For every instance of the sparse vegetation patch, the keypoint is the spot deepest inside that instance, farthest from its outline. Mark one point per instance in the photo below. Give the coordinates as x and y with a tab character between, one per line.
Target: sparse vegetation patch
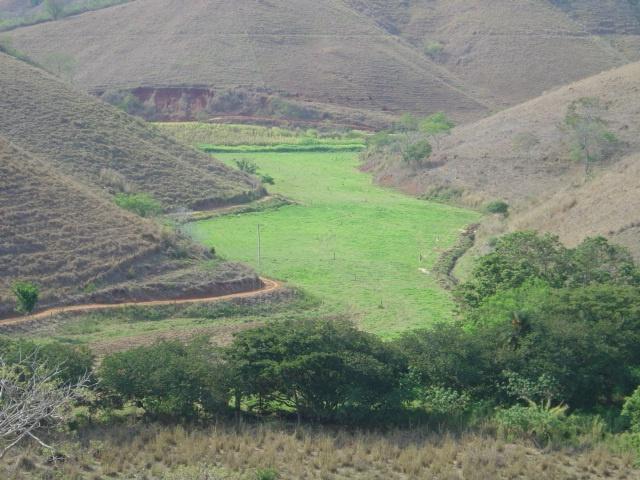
141	204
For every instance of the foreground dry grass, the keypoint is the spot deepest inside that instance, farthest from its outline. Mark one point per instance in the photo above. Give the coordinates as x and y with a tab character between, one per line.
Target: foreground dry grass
224	452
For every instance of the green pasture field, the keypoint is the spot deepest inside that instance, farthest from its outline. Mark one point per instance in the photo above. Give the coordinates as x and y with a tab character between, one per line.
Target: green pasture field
365	251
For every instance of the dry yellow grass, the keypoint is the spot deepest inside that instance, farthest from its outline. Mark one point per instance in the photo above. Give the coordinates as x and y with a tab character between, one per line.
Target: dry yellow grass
227	453
59	227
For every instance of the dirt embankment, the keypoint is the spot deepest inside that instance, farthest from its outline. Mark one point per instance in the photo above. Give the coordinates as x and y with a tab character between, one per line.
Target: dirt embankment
238	105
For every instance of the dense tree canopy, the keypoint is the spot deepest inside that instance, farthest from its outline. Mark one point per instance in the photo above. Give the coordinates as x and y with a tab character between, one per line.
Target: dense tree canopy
320	369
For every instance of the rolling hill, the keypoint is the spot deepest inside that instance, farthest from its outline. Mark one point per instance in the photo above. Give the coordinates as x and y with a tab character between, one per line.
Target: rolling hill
59	225
509	51
546	186
609	205
363	54
79	247
84	137
319	50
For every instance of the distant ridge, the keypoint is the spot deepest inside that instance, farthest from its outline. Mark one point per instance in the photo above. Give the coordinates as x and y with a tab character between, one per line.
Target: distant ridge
316	50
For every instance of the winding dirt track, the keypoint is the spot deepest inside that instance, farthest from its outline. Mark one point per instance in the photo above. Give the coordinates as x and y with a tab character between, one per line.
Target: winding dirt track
269	286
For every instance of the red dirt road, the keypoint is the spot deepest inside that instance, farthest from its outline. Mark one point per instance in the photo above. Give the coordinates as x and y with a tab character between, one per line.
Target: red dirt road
269	286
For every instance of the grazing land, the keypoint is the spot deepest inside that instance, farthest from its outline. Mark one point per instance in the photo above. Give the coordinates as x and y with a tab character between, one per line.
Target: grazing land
362	249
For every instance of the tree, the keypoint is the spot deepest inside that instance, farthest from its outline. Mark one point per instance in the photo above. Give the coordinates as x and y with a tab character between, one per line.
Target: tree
72	362
320	369
596	260
584	338
448	356
415	152
54	8
631	410
433	49
27	295
524	257
247	166
169	379
33	400
436	126
407	123
591	141
516	259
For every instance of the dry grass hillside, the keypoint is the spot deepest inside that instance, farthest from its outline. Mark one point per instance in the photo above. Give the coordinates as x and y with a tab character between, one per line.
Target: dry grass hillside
364	54
84	137
311	50
37	10
79	247
608	205
486	161
509	51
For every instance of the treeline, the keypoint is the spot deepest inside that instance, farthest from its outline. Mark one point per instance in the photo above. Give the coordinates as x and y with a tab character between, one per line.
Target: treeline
546	346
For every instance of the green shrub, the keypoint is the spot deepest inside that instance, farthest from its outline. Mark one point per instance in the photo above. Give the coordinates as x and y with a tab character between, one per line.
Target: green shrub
443	194
498	207
631	410
538	424
139	203
169	380
266	474
267	179
433	49
246	166
444	402
27	295
417	152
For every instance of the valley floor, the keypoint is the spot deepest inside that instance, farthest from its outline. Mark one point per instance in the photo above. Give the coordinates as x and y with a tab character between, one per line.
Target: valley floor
364	250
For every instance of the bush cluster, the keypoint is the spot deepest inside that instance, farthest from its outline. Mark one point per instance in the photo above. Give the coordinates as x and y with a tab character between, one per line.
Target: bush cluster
544	332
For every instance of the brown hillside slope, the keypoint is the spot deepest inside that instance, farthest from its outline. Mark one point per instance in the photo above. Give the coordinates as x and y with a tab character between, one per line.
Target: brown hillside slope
546	187
514	50
482	157
609	205
79	247
82	136
314	49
